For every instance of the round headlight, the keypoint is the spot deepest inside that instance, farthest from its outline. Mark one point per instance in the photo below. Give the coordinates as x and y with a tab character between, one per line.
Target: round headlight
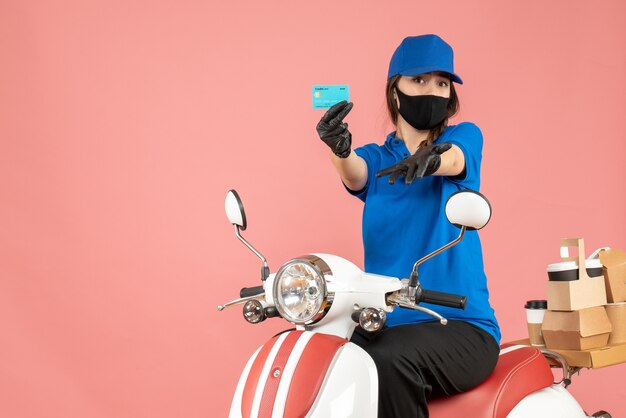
300	290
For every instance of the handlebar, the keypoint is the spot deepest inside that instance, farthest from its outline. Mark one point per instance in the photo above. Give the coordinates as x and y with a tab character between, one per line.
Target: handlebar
247	292
444	299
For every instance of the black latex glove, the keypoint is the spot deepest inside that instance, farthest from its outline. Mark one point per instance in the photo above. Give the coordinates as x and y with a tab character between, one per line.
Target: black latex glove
423	163
334	132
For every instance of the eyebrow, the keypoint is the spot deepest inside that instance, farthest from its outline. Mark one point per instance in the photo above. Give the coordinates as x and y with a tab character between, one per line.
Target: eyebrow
442	74
436	74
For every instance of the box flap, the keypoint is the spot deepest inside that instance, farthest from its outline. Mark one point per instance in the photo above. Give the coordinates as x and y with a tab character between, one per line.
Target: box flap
594	321
613	257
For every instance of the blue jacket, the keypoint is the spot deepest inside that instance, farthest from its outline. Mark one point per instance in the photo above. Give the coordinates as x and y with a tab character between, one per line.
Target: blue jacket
401	224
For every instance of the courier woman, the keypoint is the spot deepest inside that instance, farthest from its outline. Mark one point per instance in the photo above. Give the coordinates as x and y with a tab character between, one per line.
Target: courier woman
404	182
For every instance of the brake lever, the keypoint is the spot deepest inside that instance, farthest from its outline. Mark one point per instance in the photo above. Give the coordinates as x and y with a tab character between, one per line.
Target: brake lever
398	300
238	301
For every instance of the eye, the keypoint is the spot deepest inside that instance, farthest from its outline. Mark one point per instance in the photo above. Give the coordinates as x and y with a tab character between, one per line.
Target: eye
418	80
444	83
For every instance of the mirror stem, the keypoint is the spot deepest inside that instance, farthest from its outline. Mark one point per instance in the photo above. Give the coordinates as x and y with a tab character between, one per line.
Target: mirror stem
265	270
414	280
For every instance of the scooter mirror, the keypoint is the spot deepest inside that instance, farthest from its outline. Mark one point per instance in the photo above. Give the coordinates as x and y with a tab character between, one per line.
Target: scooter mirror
468	208
234	210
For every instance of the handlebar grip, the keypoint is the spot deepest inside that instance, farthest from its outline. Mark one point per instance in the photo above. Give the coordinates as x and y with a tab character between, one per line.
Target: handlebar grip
444	299
250	291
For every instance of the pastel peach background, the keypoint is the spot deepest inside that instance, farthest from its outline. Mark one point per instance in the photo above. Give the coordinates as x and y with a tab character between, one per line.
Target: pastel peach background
124	123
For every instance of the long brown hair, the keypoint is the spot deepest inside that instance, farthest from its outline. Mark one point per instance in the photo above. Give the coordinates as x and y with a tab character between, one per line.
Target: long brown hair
453	108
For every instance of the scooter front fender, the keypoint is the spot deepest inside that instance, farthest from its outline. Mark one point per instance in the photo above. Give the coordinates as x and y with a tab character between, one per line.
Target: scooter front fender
551	402
303	373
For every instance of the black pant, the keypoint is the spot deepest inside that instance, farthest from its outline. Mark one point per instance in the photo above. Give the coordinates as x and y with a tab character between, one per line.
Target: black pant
416	362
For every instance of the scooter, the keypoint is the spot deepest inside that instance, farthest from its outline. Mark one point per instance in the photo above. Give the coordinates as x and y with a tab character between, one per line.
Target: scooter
314	370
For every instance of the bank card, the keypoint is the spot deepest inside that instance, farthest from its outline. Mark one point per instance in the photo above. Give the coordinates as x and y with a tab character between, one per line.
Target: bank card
325	96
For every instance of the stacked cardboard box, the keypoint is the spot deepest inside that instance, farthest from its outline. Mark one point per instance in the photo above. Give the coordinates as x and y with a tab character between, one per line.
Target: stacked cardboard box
576	318
614	270
614	262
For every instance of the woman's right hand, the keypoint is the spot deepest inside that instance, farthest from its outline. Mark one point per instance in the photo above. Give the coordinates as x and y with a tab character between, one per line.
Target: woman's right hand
334	132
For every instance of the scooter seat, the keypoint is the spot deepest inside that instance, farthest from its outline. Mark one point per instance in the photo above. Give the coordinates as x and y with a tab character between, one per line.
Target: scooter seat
520	371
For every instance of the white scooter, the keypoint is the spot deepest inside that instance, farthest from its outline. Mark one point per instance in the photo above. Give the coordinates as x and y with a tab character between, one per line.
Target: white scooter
314	371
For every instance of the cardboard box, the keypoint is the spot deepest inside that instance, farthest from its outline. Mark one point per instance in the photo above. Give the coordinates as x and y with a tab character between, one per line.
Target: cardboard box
614	262
617	315
583	293
577	330
594	358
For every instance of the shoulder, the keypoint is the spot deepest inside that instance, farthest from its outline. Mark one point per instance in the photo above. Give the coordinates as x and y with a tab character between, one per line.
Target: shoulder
465	135
465	129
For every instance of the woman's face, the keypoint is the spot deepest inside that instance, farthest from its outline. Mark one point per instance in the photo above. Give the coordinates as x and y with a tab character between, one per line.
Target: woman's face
436	84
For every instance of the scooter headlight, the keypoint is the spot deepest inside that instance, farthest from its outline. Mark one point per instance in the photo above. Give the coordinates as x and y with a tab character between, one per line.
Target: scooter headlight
300	290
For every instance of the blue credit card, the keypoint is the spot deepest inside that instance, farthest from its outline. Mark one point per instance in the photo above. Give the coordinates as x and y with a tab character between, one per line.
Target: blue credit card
328	95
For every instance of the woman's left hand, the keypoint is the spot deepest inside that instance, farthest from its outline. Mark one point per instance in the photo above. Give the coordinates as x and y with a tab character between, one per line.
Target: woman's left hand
424	162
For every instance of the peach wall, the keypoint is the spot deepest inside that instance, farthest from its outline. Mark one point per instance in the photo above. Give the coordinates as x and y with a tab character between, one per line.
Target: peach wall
123	123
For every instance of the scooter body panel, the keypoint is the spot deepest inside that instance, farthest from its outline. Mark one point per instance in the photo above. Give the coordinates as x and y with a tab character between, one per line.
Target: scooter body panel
235	406
551	402
350	388
307	374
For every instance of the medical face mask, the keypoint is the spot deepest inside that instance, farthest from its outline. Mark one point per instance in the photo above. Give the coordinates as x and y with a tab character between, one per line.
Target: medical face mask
423	112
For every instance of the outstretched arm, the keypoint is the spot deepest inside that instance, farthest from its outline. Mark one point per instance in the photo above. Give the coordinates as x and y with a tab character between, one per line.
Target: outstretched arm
452	162
352	170
334	132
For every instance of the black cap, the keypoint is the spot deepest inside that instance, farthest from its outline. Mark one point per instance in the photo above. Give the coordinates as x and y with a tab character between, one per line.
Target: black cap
536	304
